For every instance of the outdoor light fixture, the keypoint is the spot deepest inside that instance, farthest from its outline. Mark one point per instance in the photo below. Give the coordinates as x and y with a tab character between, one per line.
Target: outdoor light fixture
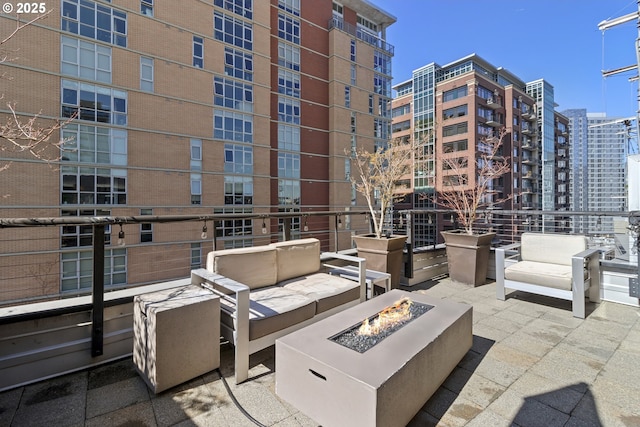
339	221
121	241
305	227
204	231
264	227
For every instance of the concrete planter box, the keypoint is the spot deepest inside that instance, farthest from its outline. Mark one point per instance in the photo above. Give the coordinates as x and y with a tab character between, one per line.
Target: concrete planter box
176	335
468	256
384	254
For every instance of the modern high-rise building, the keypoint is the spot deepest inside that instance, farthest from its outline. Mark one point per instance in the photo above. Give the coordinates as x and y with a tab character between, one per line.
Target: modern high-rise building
451	108
599	146
190	107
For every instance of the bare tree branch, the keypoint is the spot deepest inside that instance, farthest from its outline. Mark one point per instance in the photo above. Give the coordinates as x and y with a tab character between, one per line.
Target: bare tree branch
19	134
378	176
464	196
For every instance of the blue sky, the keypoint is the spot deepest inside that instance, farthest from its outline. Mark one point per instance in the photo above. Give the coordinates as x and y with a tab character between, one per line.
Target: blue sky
556	40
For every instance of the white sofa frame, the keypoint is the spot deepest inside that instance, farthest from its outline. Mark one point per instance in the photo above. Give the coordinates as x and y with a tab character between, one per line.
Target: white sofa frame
588	257
238	294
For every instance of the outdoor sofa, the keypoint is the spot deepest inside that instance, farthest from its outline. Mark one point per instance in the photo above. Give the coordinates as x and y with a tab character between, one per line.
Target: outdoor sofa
269	291
555	265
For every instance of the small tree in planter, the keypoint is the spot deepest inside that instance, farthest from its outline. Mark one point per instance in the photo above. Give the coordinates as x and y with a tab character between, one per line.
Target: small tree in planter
378	177
464	198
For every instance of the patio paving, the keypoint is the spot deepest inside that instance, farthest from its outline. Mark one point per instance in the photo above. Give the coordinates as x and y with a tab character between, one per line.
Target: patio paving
531	364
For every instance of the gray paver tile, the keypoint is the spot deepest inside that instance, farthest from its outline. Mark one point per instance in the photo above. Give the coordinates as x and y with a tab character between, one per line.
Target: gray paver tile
536	414
9	401
563	397
139	414
122	394
489	418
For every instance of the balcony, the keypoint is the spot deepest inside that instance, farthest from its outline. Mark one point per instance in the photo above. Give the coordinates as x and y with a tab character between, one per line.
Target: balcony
494	103
535	358
493	122
528	129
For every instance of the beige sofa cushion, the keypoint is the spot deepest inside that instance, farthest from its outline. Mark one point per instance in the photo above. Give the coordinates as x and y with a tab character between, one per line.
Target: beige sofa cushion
297	258
254	267
543	274
327	290
551	248
271	309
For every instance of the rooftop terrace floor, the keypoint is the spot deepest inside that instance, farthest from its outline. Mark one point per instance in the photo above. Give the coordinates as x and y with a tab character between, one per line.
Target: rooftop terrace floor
531	364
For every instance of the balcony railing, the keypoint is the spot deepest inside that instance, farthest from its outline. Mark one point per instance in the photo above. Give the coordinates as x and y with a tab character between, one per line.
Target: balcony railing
57	332
361	34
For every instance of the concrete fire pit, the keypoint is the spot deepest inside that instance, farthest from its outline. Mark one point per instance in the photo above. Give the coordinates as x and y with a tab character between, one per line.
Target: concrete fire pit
387	384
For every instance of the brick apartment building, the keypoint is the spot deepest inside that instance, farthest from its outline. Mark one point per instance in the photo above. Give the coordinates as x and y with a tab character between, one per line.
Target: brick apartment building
190	107
452	108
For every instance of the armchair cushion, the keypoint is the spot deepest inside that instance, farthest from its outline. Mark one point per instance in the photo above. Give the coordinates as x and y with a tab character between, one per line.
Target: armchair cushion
541	273
551	248
328	291
296	258
254	267
270	310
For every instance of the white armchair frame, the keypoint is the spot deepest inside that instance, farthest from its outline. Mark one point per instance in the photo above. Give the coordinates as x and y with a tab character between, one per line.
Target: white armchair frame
589	258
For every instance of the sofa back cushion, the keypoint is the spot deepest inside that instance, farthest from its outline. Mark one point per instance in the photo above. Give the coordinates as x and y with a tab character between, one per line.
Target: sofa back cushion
551	248
254	267
297	258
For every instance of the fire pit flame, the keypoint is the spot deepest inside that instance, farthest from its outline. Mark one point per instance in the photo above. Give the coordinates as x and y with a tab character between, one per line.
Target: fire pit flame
399	311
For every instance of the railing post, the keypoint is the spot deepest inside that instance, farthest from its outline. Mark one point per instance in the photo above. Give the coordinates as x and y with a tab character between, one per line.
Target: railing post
286	229
408	266
97	311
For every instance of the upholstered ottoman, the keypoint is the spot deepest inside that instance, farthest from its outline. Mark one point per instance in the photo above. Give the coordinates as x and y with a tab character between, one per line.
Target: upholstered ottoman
176	335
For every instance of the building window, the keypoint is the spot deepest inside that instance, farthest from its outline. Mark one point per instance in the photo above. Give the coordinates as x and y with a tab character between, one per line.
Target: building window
459	111
84	59
239	7
77	269
93	144
94	103
73	236
232	126
353	50
95	21
198	52
196	255
400	126
288	137
370	103
196	154
354	74
288	56
347	96
382	62
289	28
233	31
146	7
238	159
289	83
381	129
288	192
450	147
337	9
196	189
92	186
456	93
382	85
289	165
456	129
238	64
235	227
238	190
485	130
291	6
233	94
288	110
146	228
146	74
